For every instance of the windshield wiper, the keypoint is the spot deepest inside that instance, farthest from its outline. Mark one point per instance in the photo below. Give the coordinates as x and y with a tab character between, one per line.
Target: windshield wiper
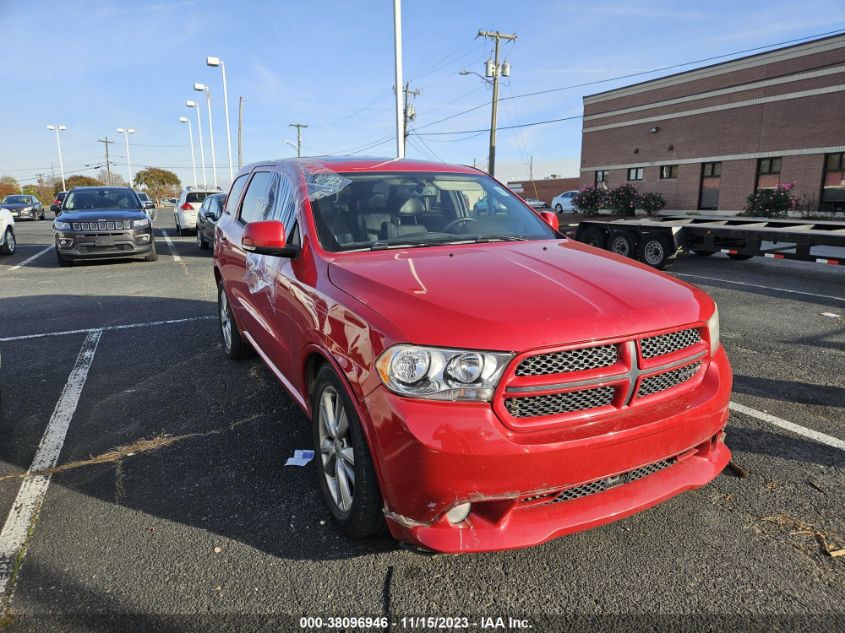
380	245
498	238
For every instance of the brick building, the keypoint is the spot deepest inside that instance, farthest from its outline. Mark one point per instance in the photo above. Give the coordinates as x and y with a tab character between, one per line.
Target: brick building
708	137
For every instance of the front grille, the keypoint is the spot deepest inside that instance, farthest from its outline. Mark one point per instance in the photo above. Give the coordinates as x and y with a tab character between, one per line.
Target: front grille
668	343
102	226
570	360
556	403
602	485
666	380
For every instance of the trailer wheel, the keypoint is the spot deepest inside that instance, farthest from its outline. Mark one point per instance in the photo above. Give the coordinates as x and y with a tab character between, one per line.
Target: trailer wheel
594	236
622	243
701	253
655	250
739	257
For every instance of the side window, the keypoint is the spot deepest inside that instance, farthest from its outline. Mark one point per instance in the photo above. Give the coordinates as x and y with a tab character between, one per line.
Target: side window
260	197
285	209
235	194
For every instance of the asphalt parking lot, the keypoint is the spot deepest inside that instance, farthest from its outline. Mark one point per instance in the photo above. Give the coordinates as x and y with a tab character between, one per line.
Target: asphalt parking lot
170	509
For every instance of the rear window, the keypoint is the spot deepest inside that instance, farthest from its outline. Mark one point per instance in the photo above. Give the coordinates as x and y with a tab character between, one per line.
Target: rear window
197	196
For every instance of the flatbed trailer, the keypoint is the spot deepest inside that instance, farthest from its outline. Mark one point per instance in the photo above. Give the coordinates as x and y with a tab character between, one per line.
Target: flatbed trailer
658	240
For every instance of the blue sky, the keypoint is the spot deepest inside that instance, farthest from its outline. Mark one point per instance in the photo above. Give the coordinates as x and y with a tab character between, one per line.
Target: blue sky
96	66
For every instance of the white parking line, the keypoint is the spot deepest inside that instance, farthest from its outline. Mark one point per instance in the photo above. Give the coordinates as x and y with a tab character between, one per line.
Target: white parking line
835	442
28	501
29	259
743	283
129	326
171	246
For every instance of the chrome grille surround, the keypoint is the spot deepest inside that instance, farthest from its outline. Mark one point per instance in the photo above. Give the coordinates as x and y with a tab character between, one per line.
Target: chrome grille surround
557	403
668	343
570	360
102	226
667	380
607	483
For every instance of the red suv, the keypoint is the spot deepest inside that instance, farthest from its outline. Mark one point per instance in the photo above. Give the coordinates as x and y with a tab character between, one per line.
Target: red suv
474	379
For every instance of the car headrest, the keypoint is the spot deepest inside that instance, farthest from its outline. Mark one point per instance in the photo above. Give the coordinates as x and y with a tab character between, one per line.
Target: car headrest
376	203
412	206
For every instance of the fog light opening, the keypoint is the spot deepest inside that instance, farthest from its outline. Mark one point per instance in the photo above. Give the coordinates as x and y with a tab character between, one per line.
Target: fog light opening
458	513
144	238
65	242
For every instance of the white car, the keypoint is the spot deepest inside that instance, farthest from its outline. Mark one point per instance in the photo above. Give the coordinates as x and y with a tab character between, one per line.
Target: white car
185	210
8	245
563	202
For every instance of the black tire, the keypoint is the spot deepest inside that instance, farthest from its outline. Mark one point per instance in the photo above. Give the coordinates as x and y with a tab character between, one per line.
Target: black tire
559	208
622	243
594	236
656	251
64	263
702	253
153	256
739	257
10	244
364	516
201	242
234	345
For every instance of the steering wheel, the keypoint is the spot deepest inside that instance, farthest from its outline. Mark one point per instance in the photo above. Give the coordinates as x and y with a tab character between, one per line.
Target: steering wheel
446	228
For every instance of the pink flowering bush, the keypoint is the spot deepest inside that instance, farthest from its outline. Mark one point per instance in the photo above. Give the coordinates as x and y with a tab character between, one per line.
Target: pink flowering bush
652	203
589	200
624	199
772	203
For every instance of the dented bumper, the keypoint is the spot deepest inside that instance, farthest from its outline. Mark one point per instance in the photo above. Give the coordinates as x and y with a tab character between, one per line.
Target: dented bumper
528	487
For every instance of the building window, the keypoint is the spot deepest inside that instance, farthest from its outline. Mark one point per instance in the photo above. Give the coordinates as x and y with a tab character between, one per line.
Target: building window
768	173
635	173
711	176
833	185
668	172
601	179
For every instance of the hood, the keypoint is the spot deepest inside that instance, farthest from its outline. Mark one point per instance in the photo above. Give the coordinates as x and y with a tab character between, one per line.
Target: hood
15	206
510	296
93	215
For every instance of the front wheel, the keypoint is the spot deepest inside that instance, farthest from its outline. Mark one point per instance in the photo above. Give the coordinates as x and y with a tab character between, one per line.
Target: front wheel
622	243
233	344
655	250
9	245
559	208
62	261
345	469
201	243
153	256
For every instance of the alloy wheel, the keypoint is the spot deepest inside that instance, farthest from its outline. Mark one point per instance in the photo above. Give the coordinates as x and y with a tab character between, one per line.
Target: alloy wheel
336	452
225	320
654	253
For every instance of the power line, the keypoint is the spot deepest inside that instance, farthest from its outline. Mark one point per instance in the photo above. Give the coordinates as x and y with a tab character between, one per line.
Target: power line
636	74
507	127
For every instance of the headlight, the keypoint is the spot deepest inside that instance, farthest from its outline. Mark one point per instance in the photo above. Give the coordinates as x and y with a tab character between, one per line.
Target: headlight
713	329
27	209
138	223
441	374
61	226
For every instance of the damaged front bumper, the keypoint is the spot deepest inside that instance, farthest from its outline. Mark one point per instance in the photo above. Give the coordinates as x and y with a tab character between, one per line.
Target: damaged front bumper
527	488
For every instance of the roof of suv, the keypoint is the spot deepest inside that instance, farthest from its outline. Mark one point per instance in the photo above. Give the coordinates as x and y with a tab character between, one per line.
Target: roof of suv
369	163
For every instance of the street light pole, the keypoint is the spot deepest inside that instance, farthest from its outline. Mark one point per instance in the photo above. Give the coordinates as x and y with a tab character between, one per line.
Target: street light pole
397	54
126	132
213	62
204	88
495	70
194	104
184	119
298	127
59	128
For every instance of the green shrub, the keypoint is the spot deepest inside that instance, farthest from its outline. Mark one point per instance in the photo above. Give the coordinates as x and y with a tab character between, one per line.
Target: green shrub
652	203
589	200
772	203
623	200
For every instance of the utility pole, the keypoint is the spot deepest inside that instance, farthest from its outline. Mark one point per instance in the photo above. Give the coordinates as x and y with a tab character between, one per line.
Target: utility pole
240	132
495	71
107	142
397	86
408	113
298	127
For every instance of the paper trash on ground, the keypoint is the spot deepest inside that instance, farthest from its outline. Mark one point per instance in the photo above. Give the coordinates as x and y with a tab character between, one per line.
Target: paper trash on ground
300	458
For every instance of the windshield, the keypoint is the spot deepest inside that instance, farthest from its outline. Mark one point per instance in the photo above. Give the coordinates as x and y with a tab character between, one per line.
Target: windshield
144	197
197	196
421	209
101	199
17	200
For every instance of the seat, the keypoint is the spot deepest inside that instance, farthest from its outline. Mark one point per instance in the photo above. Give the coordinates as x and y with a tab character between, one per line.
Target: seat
411	209
372	216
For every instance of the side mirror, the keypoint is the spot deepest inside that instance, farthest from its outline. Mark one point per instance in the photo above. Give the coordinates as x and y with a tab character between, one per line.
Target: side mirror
267	238
550	218
149	205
